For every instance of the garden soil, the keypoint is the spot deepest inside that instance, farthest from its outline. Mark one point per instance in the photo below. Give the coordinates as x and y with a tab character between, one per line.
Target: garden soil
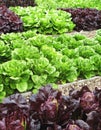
89	34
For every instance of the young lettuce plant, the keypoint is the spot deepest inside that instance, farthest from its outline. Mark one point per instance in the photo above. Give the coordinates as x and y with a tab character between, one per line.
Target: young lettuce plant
14	113
50	109
15	75
45	21
9	21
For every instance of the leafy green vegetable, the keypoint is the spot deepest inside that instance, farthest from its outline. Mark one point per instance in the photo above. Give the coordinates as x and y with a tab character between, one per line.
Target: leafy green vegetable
86	51
15	75
45	21
79	36
71	53
13	68
97	48
96	59
90	42
24	52
39	80
33	60
40	40
85	67
4	52
2	95
22	86
68	3
1	87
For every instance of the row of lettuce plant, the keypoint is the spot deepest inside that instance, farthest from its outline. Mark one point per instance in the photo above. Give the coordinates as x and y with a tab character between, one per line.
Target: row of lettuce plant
30	60
9	21
34	18
68	4
49	109
85	19
54	21
53	3
46	21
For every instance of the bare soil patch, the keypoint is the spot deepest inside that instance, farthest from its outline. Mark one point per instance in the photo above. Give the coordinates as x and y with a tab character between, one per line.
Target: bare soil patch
91	83
89	34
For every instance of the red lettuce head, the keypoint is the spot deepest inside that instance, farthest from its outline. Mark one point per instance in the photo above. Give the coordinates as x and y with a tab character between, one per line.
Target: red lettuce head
14	112
51	108
2	125
88	100
9	21
74	127
77	125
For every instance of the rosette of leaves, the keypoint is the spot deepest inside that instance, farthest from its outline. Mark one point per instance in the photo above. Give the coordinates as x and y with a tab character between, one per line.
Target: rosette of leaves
85	18
89	107
25	52
9	21
50	109
45	21
14	113
86	51
5	52
15	75
88	99
96	59
97	48
67	3
85	67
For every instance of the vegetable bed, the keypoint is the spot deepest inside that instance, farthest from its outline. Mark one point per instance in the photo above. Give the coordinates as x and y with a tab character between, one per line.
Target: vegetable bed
38	60
50	68
50	110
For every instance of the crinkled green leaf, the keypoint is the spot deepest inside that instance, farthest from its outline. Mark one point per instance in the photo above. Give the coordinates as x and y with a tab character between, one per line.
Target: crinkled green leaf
24	52
39	80
2	95
22	86
1	87
50	69
13	68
